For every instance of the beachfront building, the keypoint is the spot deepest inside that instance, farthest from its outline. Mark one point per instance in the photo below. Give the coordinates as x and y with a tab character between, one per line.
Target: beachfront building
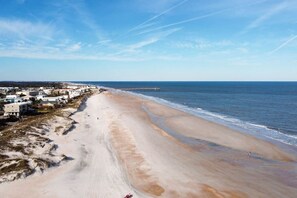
16	109
22	93
31	92
39	97
55	100
72	86
13	99
4	90
26	98
47	91
59	92
35	93
64	98
74	93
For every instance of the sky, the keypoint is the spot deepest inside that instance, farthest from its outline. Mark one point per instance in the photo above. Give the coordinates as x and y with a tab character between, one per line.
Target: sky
155	40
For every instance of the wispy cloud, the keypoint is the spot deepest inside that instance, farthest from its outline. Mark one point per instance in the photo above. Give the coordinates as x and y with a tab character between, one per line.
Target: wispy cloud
86	18
75	47
143	30
73	29
183	22
25	29
143	44
29	53
266	16
148	41
66	49
201	44
144	24
290	40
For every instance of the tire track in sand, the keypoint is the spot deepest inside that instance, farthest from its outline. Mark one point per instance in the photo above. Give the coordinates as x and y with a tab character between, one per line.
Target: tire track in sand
137	168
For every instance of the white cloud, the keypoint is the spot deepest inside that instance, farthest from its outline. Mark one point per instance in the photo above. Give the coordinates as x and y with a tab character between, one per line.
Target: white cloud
144	24
183	21
75	47
153	6
87	19
266	16
201	44
288	41
149	41
24	29
29	53
143	43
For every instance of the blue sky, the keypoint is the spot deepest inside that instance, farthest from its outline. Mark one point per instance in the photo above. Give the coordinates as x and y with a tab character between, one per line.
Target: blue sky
148	40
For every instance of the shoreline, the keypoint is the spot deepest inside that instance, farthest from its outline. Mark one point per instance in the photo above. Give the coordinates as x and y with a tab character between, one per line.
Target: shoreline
215	149
124	144
263	132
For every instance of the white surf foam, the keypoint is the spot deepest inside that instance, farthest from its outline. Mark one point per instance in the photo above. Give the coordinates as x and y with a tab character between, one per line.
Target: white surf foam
231	122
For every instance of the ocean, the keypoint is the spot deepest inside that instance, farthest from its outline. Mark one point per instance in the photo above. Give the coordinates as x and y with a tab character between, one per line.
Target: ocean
264	109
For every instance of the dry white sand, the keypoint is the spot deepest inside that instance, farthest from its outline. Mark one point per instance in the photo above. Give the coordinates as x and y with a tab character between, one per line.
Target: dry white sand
94	170
124	144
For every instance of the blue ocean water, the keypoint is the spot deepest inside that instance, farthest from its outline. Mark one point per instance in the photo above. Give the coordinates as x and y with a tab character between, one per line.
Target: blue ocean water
262	108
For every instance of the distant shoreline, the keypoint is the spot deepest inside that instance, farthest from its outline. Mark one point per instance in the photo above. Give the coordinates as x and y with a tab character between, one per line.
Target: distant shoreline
250	118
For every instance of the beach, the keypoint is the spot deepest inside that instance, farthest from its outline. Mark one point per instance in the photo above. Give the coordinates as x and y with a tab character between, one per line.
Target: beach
125	144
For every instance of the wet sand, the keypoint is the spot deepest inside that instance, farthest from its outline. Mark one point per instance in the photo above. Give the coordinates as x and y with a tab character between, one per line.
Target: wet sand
126	144
190	157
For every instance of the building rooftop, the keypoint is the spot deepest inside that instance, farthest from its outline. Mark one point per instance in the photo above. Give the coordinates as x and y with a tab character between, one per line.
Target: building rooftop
19	103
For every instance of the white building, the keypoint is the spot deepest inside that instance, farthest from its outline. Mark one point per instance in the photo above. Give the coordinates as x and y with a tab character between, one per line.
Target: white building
23	92
16	109
64	98
4	90
47	91
13	99
40	97
55	100
72	87
74	93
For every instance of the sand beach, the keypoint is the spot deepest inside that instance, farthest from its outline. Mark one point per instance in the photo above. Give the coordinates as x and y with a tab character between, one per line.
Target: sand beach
125	144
